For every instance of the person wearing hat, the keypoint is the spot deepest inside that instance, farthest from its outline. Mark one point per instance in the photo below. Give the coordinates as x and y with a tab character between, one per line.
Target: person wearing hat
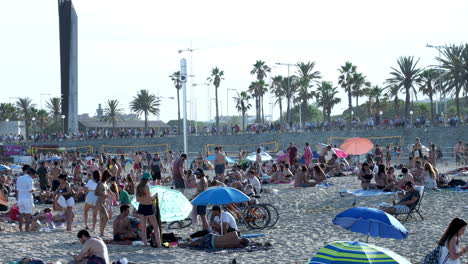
201	187
145	208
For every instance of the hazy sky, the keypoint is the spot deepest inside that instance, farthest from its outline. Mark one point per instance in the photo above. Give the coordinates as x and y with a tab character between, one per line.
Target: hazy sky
124	46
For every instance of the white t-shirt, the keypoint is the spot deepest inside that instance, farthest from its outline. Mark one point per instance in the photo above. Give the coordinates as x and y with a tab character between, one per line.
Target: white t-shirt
91	185
24	186
227	218
255	183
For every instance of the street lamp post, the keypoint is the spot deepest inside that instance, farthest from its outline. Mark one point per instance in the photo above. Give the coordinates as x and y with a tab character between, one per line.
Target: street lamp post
411	113
34	127
63	124
440	76
381	120
289	89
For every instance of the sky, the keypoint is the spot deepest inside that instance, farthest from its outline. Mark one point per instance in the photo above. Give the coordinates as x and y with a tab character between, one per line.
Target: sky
125	46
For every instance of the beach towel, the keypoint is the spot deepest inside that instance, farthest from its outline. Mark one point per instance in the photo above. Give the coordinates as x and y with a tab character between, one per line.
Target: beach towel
366	192
251	248
122	243
455	189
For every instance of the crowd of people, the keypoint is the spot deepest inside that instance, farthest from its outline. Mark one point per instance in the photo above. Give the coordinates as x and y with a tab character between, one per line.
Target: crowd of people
103	182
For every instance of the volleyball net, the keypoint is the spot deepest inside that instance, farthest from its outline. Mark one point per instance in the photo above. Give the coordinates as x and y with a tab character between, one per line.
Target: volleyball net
392	141
45	150
233	150
129	150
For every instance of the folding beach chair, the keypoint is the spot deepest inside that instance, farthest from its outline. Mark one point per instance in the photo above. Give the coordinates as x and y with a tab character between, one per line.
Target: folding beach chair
415	208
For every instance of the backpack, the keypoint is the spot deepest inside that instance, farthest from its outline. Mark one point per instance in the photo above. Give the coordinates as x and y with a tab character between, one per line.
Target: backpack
434	256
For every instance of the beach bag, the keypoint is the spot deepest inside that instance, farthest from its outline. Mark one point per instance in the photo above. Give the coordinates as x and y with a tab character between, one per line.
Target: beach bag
434	256
14	213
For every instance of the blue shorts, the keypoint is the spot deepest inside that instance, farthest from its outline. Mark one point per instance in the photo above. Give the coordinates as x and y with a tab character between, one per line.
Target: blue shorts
219	169
207	242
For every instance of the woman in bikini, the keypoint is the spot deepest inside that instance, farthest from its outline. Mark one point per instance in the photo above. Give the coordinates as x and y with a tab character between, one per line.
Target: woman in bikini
145	208
65	199
365	176
102	192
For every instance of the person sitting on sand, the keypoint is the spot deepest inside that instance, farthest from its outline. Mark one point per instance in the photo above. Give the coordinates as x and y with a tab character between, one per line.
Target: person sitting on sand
275	174
418	173
229	223
47	218
405	177
319	174
287	175
122	228
430	176
332	165
404	206
381	179
365	176
211	241
301	178
94	250
252	179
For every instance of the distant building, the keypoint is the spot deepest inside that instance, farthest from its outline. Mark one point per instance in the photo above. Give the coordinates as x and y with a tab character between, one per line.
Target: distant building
12	128
99	112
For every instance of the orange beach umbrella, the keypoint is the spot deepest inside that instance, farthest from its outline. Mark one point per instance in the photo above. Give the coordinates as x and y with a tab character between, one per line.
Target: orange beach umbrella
357	146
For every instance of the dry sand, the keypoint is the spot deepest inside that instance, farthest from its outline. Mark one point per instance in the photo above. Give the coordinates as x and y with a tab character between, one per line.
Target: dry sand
305	225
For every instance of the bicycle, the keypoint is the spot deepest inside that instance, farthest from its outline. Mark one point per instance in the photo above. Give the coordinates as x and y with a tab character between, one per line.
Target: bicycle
253	216
274	214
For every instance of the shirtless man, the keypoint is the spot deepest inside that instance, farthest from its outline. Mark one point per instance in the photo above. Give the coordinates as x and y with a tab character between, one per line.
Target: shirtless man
235	174
324	154
418	173
122	228
201	187
220	164
458	151
406	177
301	178
54	173
211	241
94	250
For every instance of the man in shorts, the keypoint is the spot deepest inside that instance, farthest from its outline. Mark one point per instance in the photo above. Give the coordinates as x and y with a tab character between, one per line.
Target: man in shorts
220	164
202	186
211	241
94	250
178	172
155	166
410	200
24	187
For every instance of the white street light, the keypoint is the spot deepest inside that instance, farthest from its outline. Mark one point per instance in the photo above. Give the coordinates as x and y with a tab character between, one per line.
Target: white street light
7	120
63	124
411	113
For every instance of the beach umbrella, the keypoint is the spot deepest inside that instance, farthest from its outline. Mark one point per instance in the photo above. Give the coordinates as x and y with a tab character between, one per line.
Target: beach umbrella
4	167
284	157
356	252
340	153
371	222
265	156
319	146
228	159
357	146
220	195
173	205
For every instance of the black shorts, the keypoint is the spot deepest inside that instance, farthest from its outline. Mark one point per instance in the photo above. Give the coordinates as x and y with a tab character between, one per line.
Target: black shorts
219	169
156	175
145	209
55	185
179	183
201	210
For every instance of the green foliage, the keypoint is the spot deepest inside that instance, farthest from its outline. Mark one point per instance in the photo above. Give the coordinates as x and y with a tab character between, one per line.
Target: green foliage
312	111
145	103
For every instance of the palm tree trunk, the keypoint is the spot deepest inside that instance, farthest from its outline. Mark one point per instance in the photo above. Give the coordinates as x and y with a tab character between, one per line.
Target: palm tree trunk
432	107
288	110
217	112
281	110
304	110
178	110
243	121
369	104
146	120
357	103
457	101
350	106
263	112
397	110
407	102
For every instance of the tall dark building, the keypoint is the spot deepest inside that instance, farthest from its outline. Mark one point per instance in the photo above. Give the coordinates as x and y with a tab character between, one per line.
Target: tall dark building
68	26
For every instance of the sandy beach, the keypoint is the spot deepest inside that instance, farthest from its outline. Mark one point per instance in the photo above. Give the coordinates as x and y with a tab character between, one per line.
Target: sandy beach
305	225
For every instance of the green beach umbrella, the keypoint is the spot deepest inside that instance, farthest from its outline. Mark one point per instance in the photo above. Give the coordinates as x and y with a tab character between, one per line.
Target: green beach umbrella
356	252
173	205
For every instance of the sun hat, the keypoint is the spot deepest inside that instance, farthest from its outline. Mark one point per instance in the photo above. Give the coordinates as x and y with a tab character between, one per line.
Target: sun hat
146	176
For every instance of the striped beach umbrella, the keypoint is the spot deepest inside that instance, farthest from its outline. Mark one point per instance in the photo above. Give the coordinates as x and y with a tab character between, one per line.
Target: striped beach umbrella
355	252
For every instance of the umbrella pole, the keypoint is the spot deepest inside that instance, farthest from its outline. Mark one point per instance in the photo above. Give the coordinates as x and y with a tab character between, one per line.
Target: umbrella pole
221	220
367	239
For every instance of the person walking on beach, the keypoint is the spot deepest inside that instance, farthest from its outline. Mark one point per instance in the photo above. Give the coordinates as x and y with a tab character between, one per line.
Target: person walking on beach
65	199
458	151
94	250
102	192
201	187
450	253
43	177
220	164
146	209
91	198
307	154
155	165
178	172
24	188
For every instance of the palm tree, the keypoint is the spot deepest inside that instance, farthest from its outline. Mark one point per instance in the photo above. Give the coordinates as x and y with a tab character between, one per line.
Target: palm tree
278	91
8	111
25	106
358	82
392	91
375	93
454	62
243	105
145	103
405	77
42	117
112	113
260	69
290	87
427	81
216	76
175	77
326	98
305	76
54	105
345	81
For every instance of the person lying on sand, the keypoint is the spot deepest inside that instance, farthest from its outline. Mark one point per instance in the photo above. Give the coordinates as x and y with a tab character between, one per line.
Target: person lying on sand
211	241
122	228
47	218
94	250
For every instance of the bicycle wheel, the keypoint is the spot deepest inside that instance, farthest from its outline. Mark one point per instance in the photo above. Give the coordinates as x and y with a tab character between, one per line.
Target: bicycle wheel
256	216
274	214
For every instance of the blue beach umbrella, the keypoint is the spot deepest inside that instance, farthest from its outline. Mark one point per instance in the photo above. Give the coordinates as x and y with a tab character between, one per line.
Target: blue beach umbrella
371	222
356	252
4	167
220	195
228	159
